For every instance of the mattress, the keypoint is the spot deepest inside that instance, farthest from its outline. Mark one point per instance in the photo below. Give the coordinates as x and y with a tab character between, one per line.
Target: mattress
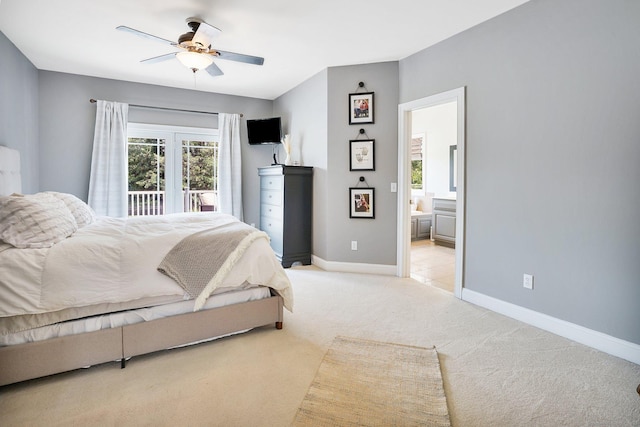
129	317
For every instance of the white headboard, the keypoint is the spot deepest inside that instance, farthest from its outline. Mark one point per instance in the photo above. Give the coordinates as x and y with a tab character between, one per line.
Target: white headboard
10	181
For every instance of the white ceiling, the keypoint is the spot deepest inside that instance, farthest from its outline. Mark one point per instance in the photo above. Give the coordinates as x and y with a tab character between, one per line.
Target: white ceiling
297	38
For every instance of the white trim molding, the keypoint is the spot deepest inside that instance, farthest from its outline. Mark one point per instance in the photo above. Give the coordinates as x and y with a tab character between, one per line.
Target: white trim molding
352	267
594	339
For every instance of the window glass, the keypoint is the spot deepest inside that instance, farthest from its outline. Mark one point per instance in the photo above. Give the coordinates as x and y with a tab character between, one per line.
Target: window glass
200	175
417	150
146	176
171	169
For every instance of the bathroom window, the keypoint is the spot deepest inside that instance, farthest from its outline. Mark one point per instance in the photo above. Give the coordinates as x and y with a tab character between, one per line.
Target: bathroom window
417	173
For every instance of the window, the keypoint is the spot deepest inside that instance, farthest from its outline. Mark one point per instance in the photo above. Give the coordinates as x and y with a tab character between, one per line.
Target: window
171	169
417	157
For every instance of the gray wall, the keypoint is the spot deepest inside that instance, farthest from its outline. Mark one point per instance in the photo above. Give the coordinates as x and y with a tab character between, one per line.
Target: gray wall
553	101
304	114
19	110
317	113
67	121
376	237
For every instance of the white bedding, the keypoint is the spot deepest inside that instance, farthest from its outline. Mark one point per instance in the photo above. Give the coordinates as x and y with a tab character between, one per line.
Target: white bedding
115	260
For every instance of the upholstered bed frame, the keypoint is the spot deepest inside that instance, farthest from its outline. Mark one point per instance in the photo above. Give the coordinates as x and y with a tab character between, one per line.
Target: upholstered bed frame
32	360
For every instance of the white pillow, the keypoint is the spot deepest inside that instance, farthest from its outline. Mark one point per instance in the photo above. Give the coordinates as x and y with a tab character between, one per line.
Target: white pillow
82	212
35	221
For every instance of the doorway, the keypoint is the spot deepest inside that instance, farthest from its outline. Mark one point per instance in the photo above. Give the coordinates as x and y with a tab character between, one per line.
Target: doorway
405	136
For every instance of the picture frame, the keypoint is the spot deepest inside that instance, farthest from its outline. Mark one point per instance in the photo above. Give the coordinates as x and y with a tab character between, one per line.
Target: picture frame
361	202
361	108
362	155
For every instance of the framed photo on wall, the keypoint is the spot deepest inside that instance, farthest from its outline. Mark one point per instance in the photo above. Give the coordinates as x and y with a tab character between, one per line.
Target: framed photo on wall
361	202
360	108
361	155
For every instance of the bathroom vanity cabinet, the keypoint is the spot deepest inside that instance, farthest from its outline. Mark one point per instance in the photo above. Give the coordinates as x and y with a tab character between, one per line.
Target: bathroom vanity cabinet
420	226
444	221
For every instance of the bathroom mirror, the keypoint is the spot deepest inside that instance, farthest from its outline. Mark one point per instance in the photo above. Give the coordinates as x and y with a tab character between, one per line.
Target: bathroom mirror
453	165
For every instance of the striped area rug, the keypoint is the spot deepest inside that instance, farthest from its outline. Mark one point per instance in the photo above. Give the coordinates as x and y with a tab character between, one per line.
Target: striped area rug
368	383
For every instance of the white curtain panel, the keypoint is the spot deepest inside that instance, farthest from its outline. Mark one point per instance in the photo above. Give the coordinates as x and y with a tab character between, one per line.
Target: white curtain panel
230	165
108	180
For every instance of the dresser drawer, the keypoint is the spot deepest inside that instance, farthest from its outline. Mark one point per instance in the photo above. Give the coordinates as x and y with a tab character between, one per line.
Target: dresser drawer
271	211
271	182
271	197
274	229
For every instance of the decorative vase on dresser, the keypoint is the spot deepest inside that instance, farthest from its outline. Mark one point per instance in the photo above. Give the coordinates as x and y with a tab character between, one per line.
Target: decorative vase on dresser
286	194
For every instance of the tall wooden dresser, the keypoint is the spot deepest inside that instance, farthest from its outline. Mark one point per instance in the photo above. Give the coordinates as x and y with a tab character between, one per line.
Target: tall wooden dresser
286	194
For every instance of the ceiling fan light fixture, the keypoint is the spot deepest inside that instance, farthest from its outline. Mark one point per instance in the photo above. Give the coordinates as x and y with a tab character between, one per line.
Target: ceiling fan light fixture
194	60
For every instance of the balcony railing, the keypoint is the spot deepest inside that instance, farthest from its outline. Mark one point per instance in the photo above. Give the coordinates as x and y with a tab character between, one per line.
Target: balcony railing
154	202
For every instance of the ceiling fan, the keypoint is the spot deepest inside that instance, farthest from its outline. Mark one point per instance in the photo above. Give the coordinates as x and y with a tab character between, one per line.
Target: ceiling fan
196	52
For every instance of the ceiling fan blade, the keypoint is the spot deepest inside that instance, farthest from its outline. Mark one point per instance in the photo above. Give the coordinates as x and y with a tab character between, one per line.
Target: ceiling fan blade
160	58
145	35
205	33
214	70
239	57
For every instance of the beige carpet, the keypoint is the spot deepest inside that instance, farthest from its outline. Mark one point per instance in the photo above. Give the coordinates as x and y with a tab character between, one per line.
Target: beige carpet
496	371
366	383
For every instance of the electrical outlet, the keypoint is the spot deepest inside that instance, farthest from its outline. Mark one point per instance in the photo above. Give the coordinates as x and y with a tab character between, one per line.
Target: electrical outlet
354	245
527	281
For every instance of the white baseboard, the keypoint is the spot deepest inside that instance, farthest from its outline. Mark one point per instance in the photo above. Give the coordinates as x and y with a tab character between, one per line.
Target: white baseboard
603	342
351	267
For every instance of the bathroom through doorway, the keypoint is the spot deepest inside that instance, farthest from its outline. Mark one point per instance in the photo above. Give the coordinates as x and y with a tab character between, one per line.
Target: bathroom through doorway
431	190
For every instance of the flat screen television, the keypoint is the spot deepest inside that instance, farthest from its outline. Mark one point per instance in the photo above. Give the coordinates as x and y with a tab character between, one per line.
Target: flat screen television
264	131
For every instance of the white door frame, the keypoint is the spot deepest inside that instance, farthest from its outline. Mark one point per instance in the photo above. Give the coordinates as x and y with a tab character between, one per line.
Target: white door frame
404	178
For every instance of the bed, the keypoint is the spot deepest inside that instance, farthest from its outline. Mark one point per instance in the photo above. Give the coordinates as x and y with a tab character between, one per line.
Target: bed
78	290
